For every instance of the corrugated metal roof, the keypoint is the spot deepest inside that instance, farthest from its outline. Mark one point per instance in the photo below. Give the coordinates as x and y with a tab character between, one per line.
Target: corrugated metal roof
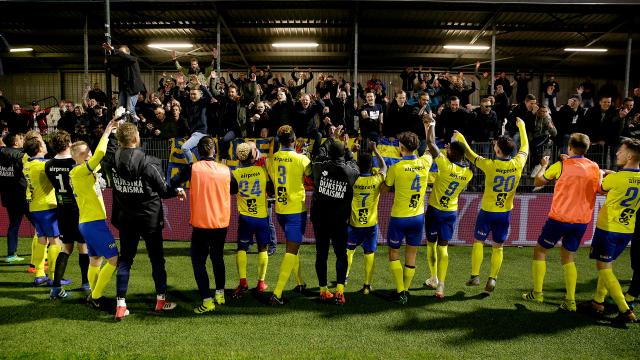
386	30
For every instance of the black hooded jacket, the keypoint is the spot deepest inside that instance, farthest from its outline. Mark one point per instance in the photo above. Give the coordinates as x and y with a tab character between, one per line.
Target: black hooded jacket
333	180
138	186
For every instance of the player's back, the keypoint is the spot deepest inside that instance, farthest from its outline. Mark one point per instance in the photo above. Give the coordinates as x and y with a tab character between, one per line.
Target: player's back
502	176
366	195
57	171
622	203
409	178
252	187
287	169
575	191
43	196
452	179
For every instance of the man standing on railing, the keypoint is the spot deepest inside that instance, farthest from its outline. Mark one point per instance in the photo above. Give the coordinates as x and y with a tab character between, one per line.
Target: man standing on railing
130	83
137	212
502	176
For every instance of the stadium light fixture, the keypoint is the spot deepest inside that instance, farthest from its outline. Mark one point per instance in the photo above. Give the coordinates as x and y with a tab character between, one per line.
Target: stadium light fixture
20	49
295	45
170	45
466	47
595	50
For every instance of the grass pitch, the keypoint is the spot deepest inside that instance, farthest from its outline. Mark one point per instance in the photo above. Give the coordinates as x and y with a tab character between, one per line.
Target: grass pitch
466	324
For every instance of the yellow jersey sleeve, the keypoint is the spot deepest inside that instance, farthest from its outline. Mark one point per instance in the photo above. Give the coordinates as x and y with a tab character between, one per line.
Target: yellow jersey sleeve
452	180
618	214
366	195
252	191
483	164
554	171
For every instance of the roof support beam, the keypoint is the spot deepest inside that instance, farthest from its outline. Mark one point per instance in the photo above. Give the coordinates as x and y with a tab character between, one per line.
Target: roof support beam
221	19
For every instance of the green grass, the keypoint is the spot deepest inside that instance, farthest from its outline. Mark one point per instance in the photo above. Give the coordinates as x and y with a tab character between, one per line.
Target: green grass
466	324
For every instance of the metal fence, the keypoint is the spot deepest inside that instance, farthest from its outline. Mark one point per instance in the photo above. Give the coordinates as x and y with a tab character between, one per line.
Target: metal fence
598	153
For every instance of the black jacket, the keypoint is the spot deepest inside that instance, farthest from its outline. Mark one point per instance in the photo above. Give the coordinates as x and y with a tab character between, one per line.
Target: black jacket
138	186
126	68
196	112
333	192
13	185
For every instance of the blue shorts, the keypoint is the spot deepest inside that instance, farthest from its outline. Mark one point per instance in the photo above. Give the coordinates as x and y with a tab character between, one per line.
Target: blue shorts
46	222
100	241
607	246
439	224
496	223
407	227
248	227
293	225
365	236
554	230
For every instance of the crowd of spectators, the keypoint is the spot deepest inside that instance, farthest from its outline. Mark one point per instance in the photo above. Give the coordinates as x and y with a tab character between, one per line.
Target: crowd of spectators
196	101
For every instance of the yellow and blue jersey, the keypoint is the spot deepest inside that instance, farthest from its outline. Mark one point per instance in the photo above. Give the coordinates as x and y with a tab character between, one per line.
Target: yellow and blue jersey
40	192
409	176
364	204
452	179
287	170
623	200
502	177
252	190
86	187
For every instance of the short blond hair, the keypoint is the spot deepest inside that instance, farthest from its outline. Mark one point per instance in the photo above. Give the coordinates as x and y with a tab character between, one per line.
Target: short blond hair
127	134
579	143
243	151
75	147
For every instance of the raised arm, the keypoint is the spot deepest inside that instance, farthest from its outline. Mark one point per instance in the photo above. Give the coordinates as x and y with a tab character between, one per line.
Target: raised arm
468	153
381	163
524	141
429	127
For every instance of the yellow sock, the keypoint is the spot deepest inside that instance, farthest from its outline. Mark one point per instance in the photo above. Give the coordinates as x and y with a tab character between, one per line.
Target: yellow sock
103	279
340	288
615	291
54	251
34	242
296	270
628	298
396	271
570	280
369	262
497	254
443	262
601	290
241	263
285	271
92	275
323	289
349	260
263	262
538	269
408	276
432	258
477	253
38	258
